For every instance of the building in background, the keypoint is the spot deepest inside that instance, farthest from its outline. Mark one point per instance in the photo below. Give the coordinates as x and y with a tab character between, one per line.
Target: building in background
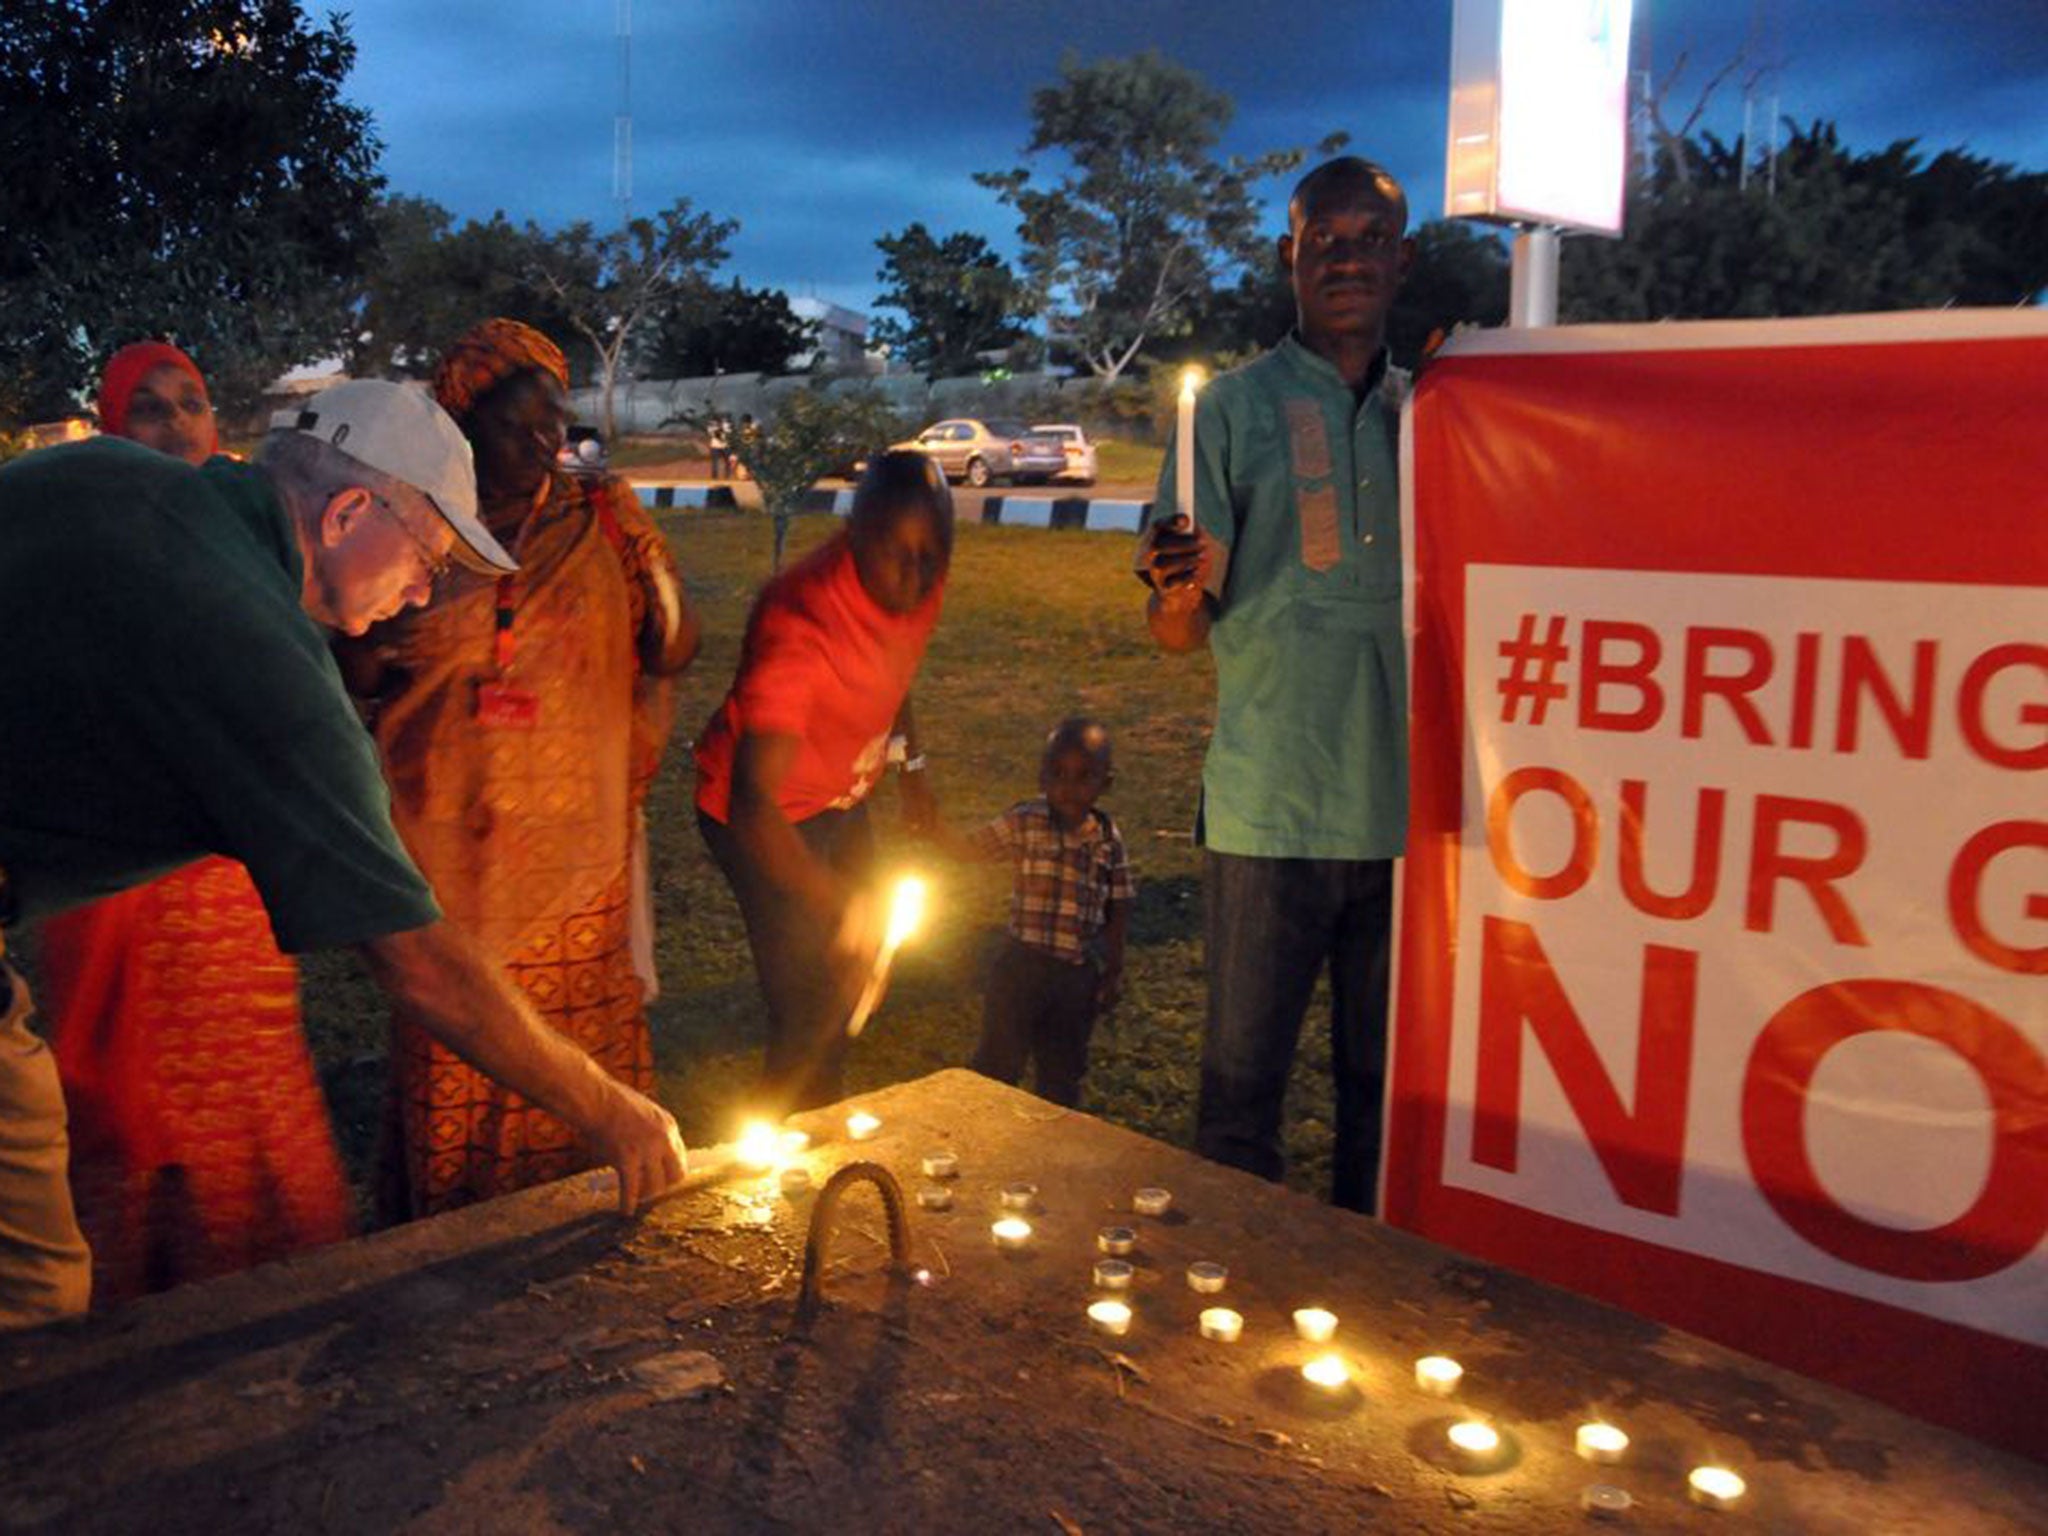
842	337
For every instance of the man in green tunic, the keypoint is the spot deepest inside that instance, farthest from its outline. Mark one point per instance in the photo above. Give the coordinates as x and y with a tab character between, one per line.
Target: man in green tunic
1290	572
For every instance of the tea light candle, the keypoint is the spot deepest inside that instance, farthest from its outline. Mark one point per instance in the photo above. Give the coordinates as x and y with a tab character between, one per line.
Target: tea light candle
1715	1487
1600	1442
1473	1441
1018	1197
1222	1325
795	1143
1438	1375
861	1126
1329	1372
795	1180
1318	1325
1152	1202
1113	1274
1112	1317
1206	1277
1604	1501
1011	1232
1116	1240
941	1165
935	1197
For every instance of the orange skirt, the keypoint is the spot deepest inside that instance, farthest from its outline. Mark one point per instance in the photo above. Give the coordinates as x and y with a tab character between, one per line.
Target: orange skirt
200	1140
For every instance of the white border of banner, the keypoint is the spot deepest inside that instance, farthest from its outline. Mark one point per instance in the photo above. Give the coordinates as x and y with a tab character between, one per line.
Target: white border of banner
1712	335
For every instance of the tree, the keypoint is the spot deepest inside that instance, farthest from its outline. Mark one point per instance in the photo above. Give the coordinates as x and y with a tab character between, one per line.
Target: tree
958	299
609	284
430	281
709	329
1824	230
811	435
186	168
1145	219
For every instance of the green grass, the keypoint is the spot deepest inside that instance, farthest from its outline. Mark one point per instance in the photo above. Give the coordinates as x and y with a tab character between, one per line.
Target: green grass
1037	625
1120	460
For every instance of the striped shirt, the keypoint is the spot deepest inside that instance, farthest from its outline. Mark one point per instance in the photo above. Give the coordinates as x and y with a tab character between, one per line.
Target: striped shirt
1064	880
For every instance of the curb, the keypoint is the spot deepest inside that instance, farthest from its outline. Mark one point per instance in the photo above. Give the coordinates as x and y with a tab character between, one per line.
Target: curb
1087	514
661	495
1082	514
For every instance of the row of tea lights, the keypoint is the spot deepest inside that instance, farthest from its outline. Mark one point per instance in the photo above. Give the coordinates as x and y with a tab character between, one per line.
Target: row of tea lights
1475	1443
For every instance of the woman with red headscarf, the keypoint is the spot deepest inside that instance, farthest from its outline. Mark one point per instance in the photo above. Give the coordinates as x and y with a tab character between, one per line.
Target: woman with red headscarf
521	723
200	1141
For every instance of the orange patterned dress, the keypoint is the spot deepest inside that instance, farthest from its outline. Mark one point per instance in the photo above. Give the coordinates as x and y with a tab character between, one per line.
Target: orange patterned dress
200	1141
516	770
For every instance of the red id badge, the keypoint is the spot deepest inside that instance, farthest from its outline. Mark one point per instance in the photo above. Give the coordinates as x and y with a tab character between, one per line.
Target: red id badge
506	707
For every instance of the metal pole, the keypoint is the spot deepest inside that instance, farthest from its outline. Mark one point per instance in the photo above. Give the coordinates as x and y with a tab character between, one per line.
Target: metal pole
1532	280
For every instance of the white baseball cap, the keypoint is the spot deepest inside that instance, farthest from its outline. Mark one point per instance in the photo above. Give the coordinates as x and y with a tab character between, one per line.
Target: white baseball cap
398	430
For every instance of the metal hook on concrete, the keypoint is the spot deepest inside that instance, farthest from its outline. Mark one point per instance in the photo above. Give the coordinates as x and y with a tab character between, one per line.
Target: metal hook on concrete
822	1222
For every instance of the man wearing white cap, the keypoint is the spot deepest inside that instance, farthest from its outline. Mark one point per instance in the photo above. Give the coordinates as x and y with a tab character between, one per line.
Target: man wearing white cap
167	693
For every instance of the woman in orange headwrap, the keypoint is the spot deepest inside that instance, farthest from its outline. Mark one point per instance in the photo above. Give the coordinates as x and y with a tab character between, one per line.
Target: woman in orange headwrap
200	1142
521	723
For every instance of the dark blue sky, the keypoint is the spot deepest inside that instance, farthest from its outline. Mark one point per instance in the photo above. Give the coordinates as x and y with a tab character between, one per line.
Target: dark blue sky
820	124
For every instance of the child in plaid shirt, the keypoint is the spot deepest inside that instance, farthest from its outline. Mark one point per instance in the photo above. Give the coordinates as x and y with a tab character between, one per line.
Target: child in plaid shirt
1062	961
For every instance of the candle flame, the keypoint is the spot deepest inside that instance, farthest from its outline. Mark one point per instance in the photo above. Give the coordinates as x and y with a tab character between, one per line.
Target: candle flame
906	911
1717	1483
759	1146
1190	381
1604	1438
1327	1371
1475	1438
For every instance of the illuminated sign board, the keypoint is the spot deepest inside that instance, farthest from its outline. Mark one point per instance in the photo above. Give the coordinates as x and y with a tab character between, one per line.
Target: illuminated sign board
1539	112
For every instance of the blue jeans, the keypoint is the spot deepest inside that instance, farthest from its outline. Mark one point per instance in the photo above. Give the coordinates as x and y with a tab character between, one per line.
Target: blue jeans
1270	927
808	997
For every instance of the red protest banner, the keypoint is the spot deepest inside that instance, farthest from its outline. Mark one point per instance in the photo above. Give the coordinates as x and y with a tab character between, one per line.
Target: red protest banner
1723	988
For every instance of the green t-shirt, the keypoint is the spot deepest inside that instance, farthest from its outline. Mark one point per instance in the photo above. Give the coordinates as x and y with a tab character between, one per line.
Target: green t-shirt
1297	482
163	696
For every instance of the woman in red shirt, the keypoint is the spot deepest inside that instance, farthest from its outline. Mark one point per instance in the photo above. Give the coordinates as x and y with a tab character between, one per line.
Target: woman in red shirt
786	764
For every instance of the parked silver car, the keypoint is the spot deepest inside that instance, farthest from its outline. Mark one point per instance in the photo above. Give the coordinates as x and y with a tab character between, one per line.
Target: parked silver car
1080	452
981	451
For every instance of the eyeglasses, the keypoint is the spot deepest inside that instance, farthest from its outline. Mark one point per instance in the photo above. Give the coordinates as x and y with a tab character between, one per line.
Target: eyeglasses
436	566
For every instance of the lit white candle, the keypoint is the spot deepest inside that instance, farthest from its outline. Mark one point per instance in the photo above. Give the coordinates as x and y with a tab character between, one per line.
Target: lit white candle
1184	448
1018	1197
795	1143
1152	1202
861	1126
1207	1277
1600	1442
1329	1372
1318	1325
1113	1317
759	1146
1113	1274
1715	1487
1221	1324
1438	1375
1011	1232
1116	1240
1473	1441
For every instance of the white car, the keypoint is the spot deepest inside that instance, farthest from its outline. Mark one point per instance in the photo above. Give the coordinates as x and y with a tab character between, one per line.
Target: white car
1079	451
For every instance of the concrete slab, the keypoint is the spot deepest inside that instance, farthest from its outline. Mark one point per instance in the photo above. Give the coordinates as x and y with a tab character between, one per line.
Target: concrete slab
536	1364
